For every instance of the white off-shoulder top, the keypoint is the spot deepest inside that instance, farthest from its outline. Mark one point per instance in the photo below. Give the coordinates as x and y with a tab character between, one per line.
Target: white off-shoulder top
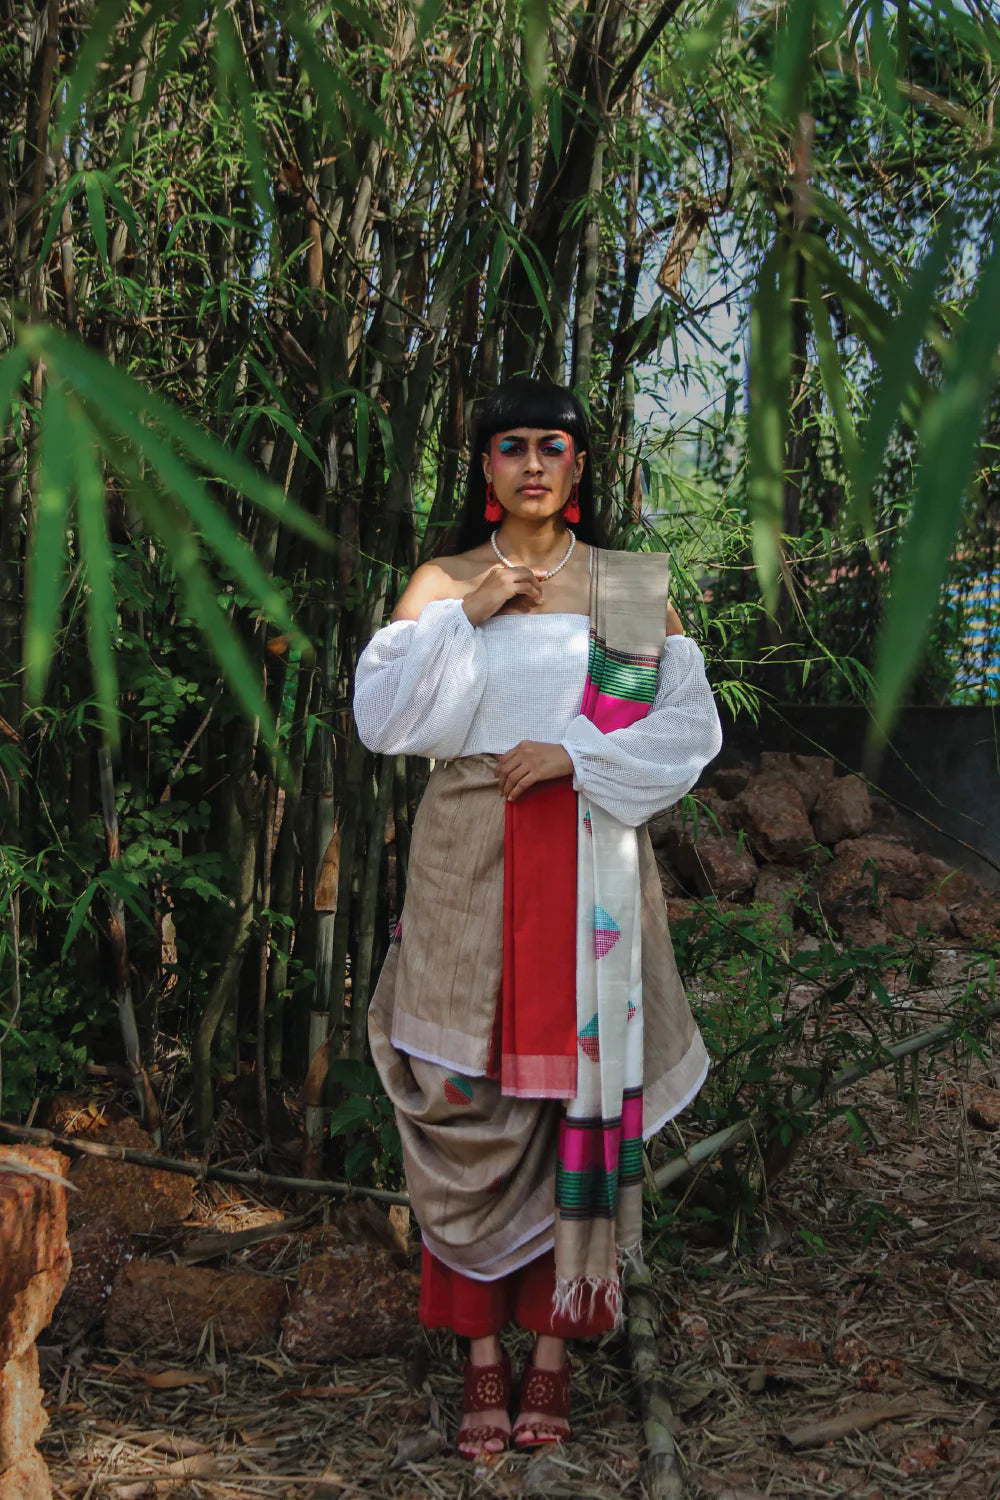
443	687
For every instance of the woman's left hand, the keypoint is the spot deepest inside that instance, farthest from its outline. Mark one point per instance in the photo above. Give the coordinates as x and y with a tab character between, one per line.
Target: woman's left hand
529	763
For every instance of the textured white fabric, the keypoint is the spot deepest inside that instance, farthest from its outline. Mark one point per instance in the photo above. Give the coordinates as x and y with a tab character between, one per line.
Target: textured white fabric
442	687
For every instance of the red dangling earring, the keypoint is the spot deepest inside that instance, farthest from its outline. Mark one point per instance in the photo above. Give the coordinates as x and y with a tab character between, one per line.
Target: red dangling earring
494	510
571	510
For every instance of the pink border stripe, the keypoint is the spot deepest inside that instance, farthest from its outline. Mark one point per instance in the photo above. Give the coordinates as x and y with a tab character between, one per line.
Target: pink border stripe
590	1149
608	712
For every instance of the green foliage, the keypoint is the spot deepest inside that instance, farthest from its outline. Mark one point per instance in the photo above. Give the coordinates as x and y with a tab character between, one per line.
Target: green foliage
266	261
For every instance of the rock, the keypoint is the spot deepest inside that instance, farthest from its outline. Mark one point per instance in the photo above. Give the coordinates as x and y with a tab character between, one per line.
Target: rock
981	1257
850	877
34	1265
809	773
730	781
350	1303
667	826
946	885
34	1257
22	1420
81	1112
98	1248
983	1109
908	917
885	817
979	921
139	1198
669	883
780	887
843	810
773	815
168	1307
27	1479
717	864
860	929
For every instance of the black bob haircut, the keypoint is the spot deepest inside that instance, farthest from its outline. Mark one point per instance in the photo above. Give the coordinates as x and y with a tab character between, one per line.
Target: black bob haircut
523	402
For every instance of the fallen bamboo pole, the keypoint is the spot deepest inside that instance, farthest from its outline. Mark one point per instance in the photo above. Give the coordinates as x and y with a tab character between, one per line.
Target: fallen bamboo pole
660	1474
76	1145
684	1162
702	1151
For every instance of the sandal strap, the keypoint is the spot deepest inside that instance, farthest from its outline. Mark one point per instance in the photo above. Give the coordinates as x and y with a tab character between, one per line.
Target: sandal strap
545	1391
487	1387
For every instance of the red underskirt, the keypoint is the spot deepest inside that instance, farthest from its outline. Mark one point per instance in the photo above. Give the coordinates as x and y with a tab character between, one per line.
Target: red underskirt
477	1308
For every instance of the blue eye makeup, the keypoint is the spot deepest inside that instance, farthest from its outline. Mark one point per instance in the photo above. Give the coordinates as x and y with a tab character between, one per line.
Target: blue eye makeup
510	445
555	446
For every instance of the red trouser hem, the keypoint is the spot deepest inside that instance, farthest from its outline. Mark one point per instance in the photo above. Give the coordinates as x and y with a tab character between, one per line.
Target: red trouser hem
475	1309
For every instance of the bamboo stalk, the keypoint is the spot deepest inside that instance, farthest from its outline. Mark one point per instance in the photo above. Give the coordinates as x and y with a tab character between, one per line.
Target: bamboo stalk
119	949
264	1181
740	1130
660	1474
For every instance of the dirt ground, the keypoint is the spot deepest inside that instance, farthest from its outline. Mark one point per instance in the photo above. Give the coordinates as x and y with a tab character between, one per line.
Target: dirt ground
868	1293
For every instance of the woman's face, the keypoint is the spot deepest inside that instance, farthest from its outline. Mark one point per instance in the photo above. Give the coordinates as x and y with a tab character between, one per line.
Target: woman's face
533	470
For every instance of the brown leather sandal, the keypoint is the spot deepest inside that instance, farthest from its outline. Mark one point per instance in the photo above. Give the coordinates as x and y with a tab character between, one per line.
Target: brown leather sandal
547	1393
485	1388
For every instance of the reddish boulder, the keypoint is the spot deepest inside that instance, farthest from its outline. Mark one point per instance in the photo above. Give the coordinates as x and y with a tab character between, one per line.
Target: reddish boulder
348	1304
978	921
34	1264
98	1248
983	1109
34	1258
773	815
26	1479
810	774
717	865
730	781
779	886
860	929
945	884
859	865
139	1198
843	810
910	917
161	1306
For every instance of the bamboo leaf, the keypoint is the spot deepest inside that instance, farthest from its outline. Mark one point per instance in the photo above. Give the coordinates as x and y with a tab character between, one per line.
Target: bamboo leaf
533	280
897	360
791	59
233	74
832	375
770	376
535	15
97	36
47	556
78	914
115	392
200	595
950	434
98	563
13	368
69	189
98	219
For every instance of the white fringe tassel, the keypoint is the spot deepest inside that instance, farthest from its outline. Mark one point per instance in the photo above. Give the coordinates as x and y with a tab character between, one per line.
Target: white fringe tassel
577	1298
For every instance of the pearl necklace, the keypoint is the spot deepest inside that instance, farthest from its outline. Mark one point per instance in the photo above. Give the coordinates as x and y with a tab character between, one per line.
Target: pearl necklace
542	577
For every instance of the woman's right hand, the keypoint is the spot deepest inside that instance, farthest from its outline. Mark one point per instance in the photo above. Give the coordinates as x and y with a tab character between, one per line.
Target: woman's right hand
516	587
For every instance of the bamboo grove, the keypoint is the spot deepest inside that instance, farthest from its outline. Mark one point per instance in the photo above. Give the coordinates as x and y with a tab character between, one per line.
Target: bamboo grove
258	263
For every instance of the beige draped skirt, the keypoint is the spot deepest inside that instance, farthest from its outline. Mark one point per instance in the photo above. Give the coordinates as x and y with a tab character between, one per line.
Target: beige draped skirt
480	1166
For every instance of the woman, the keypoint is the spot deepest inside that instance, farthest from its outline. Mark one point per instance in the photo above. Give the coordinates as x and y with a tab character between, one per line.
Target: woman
529	1024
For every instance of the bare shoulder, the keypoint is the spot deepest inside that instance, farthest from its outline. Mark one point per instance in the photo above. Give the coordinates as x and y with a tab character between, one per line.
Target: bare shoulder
443	578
